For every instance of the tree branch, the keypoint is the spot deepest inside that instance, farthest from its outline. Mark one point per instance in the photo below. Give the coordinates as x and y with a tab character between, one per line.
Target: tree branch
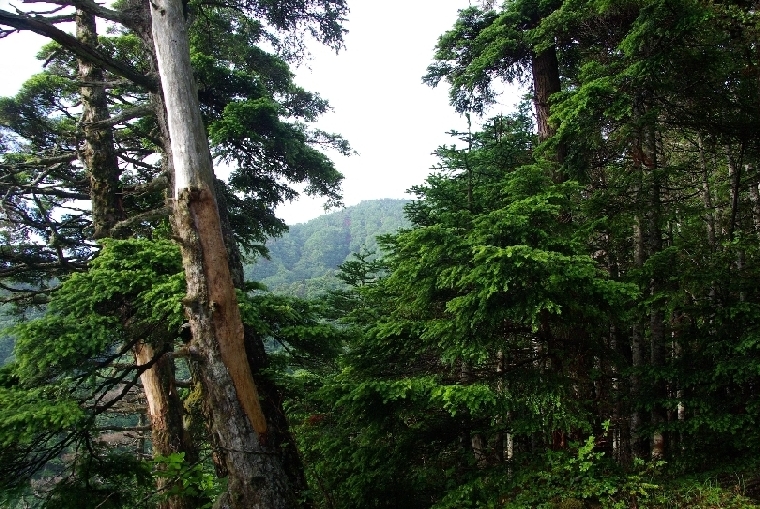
88	6
124	428
41	161
128	114
121	226
51	191
83	51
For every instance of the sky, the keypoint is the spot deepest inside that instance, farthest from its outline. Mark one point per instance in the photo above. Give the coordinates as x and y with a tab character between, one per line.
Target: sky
380	104
374	85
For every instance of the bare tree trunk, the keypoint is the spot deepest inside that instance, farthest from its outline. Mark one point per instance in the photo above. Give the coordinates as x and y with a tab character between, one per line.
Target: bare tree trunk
656	314
637	418
256	476
165	411
637	348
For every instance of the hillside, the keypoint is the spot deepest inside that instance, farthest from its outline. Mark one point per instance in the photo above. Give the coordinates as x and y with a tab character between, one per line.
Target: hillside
304	260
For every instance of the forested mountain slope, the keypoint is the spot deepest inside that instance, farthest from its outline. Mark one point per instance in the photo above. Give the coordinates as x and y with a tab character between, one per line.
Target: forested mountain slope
304	260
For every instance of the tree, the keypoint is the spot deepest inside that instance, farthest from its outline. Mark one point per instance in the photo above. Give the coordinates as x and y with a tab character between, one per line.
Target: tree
310	165
211	304
448	381
485	44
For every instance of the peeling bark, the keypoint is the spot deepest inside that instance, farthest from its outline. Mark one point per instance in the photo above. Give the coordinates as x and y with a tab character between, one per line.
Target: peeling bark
256	476
165	412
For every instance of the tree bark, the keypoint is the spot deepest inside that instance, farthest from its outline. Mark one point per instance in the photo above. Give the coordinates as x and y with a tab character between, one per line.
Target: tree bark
279	436
754	198
99	153
165	411
656	314
256	476
637	445
545	68
546	82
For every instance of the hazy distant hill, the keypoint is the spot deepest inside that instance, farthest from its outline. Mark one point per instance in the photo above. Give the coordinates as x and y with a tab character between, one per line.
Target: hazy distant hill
303	260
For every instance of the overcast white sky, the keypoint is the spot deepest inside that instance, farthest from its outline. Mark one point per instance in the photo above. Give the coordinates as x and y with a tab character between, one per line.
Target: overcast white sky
374	85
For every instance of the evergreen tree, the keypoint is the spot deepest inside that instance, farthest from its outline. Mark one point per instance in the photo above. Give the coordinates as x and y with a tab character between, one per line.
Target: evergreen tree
293	139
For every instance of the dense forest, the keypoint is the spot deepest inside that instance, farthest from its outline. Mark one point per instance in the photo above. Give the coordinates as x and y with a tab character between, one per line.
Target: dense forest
568	318
305	260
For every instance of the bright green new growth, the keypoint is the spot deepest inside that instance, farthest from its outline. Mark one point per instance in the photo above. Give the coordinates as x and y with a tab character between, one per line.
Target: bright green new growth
132	289
75	362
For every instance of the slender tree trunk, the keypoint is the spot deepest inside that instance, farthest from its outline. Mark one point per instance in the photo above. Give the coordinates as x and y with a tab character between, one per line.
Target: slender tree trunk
734	176
474	442
256	476
656	314
754	197
619	432
638	448
166	411
164	405
637	444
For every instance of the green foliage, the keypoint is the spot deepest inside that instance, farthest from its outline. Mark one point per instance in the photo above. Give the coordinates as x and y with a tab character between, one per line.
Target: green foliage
486	45
187	480
293	329
548	315
26	413
66	370
485	271
137	280
256	116
112	480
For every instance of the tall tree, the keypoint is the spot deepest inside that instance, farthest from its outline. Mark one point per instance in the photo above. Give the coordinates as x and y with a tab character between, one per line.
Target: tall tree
485	44
295	160
256	478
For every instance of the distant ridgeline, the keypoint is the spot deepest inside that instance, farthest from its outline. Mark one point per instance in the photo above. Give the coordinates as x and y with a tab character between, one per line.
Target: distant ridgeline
304	260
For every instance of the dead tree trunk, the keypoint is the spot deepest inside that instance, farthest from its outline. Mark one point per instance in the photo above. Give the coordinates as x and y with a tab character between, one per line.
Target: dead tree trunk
100	159
256	476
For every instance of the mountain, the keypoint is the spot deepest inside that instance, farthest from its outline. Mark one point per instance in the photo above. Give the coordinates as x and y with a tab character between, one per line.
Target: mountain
304	260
